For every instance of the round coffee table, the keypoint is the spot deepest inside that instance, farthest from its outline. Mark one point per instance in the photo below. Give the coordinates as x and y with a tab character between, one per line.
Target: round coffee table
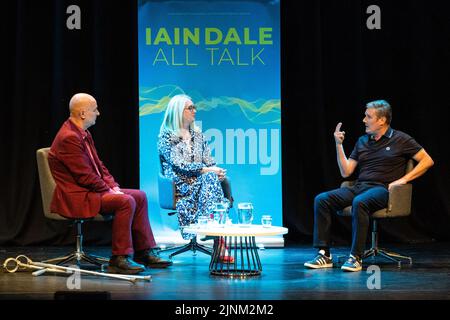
239	242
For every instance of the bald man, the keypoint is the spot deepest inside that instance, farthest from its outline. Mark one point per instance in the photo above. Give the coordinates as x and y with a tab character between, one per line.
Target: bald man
85	188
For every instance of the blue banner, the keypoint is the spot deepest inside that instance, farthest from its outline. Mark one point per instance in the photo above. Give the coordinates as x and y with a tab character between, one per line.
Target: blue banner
226	56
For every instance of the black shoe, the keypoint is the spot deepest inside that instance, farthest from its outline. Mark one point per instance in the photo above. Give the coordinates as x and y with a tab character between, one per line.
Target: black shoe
149	259
206	238
124	265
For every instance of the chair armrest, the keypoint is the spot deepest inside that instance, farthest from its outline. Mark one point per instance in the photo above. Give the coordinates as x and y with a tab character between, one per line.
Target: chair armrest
226	188
399	203
166	192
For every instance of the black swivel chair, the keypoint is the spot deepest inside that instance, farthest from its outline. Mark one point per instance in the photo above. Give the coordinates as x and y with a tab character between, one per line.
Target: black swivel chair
47	184
167	200
399	205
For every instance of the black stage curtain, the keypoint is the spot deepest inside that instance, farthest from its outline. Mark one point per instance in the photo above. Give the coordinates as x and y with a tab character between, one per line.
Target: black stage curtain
331	66
45	64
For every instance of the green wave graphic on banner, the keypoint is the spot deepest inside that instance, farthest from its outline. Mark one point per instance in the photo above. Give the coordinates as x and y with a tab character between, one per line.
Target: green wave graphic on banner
154	100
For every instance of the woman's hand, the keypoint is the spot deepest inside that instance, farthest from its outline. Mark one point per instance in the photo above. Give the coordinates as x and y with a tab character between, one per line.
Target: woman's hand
221	173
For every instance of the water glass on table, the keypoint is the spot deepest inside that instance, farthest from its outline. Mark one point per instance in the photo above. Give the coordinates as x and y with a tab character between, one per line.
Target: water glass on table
202	221
266	221
245	213
220	213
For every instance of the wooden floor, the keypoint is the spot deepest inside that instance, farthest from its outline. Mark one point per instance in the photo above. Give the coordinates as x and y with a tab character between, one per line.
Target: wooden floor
283	278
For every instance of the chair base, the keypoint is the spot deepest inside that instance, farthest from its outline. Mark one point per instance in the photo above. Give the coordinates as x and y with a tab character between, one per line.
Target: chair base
392	256
78	257
193	245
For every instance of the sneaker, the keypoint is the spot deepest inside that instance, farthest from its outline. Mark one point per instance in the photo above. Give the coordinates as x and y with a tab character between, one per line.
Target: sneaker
352	264
320	261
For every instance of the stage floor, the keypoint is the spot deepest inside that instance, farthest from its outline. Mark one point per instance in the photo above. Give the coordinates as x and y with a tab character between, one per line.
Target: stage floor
283	278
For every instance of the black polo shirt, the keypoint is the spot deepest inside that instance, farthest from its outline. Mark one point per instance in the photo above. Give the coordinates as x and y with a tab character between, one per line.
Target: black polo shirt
384	161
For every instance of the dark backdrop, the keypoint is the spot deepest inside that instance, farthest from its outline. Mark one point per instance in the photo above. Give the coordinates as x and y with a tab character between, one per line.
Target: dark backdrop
331	66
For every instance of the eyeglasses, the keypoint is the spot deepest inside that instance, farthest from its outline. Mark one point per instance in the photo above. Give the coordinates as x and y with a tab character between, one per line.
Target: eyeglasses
191	108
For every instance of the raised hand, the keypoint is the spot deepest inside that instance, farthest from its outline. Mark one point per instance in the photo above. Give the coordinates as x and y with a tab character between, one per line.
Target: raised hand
338	134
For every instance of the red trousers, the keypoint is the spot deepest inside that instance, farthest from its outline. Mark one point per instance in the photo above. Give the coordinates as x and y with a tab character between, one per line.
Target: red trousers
131	229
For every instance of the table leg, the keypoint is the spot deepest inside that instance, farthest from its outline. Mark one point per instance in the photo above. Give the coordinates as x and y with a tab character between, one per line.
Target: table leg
245	253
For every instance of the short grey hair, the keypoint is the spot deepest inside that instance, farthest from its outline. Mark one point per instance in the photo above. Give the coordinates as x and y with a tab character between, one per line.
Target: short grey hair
382	109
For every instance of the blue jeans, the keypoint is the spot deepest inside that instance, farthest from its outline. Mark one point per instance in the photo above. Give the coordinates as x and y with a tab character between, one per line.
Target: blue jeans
364	197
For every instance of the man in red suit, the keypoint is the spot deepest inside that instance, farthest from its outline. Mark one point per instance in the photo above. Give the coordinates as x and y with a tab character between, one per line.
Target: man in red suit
84	188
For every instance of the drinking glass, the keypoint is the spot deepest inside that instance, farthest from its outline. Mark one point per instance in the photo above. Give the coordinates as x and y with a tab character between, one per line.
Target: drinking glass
202	221
266	221
245	213
220	212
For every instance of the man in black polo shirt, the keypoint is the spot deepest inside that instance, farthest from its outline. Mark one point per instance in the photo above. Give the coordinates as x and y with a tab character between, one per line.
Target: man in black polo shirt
381	156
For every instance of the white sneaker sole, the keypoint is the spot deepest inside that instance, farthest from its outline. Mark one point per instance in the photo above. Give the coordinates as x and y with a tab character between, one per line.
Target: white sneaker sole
315	266
351	269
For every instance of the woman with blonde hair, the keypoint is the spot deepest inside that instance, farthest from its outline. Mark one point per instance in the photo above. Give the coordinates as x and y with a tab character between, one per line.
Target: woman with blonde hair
186	158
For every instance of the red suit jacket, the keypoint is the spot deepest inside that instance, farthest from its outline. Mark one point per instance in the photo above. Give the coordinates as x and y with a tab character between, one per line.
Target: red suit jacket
78	185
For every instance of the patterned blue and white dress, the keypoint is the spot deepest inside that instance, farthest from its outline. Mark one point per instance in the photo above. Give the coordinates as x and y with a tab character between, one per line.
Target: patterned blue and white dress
196	193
